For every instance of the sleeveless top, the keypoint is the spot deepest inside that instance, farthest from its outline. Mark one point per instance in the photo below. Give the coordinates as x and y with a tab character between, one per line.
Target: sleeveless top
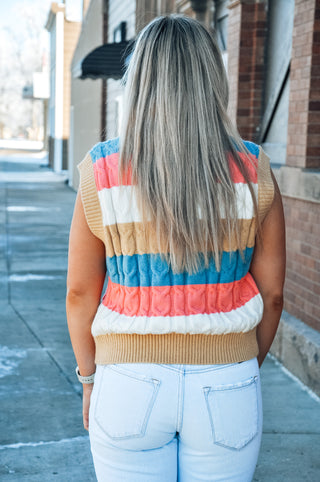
149	314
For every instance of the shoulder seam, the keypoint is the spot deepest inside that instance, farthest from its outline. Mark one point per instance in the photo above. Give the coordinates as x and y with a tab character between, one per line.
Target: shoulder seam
90	198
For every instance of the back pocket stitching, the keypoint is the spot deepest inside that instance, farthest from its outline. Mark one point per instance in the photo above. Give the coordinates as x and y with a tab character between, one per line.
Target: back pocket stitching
238	387
155	383
130	374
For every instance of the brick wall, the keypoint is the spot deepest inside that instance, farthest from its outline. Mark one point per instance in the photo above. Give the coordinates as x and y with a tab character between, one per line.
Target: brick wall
304	106
234	29
313	149
302	287
300	187
302	290
247	30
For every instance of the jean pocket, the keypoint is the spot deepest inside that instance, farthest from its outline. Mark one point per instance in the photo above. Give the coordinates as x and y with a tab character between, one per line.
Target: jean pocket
233	412
124	402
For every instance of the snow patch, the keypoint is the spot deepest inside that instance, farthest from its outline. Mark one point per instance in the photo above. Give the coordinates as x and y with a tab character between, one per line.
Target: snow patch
51	442
24	209
10	359
33	277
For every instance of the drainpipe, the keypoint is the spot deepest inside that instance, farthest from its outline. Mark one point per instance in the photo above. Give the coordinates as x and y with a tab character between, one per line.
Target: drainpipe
200	9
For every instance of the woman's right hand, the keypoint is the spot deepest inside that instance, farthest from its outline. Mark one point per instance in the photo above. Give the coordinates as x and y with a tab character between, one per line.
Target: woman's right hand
87	390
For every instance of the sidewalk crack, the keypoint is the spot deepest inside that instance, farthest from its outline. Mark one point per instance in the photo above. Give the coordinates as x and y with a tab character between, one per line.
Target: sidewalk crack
60	369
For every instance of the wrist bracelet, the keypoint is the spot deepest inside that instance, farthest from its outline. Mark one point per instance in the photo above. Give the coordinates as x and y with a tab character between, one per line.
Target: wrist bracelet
86	380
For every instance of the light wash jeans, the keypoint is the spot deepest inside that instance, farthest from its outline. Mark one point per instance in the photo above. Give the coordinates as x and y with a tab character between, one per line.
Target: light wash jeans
168	423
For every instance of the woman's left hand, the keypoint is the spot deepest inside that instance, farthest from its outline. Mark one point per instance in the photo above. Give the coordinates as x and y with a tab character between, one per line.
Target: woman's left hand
87	390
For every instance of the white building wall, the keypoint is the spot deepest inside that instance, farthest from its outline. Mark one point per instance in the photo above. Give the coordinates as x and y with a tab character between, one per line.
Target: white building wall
52	80
86	95
124	11
58	121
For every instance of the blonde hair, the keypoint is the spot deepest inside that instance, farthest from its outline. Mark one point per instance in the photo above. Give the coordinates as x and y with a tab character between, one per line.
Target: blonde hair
176	138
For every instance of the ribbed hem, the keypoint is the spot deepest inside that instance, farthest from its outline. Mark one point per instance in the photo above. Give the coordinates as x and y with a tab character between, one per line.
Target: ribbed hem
176	348
265	183
89	197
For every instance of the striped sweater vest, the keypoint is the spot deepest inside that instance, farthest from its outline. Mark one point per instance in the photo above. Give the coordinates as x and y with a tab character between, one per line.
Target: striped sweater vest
149	314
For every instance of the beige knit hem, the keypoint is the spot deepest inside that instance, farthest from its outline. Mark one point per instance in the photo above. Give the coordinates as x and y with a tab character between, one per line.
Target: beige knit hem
176	348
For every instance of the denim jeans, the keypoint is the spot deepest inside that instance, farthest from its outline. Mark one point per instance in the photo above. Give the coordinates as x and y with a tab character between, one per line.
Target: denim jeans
168	423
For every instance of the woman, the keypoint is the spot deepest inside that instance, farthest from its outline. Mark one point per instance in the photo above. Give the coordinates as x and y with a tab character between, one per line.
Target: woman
187	221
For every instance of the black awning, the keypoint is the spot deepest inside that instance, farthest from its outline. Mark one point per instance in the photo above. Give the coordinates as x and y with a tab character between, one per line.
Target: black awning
105	62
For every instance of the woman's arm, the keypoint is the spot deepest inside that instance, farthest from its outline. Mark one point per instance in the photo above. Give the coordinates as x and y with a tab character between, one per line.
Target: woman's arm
86	274
268	271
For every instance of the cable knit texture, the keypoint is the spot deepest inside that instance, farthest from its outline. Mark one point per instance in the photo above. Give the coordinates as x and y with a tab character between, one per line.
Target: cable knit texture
150	314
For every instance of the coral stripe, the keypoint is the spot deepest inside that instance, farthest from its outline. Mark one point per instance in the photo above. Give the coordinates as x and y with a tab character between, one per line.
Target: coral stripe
106	171
179	300
242	319
251	167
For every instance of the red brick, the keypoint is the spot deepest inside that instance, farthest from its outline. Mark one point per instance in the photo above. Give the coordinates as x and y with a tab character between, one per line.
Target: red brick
316	311
314	117
314	141
312	162
315	70
312	151
314	129
314	105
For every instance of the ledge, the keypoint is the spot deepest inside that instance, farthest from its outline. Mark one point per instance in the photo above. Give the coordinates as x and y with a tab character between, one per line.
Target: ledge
298	183
297	347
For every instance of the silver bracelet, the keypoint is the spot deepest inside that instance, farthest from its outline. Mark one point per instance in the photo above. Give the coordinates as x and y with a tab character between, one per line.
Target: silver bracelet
86	380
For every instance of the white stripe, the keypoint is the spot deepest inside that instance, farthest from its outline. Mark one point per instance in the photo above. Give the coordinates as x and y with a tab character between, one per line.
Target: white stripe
242	319
119	205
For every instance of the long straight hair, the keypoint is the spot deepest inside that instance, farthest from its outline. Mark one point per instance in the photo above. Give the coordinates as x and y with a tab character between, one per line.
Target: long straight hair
176	139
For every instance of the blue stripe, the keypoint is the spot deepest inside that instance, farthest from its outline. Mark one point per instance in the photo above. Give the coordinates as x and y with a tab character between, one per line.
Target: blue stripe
252	148
152	270
111	146
103	149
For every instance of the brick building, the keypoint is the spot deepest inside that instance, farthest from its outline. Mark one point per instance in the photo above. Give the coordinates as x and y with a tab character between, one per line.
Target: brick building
271	49
275	99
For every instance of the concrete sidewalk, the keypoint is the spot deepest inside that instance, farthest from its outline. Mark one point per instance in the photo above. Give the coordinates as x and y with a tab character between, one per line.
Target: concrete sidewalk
41	434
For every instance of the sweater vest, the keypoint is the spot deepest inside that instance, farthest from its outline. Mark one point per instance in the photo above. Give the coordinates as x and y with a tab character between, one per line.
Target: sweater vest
149	314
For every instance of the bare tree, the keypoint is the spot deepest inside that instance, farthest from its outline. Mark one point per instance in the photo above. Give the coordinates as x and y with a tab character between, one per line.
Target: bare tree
22	52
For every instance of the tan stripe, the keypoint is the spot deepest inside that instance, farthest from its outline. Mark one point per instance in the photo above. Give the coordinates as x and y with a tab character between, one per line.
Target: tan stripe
136	238
90	199
176	348
265	184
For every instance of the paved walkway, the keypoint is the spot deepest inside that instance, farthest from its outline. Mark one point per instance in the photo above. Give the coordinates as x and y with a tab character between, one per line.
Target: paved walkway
41	434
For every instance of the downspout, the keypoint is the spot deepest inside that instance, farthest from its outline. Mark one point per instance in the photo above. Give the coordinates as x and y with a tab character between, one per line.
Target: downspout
200	9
